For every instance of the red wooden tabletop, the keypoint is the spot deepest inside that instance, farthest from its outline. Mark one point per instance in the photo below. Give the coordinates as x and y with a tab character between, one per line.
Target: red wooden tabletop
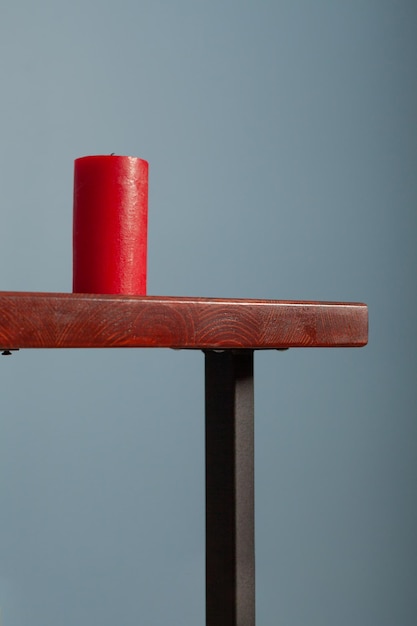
66	320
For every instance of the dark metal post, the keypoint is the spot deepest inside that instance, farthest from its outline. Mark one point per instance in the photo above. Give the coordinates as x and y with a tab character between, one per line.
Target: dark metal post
230	551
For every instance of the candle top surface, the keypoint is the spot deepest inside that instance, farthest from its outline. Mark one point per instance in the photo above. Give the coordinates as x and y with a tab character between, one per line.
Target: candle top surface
109	156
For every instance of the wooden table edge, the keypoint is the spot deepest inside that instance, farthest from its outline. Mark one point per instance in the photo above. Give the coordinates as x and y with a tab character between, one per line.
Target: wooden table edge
72	320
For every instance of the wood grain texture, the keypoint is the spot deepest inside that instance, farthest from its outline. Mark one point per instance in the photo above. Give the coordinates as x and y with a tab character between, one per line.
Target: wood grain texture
61	320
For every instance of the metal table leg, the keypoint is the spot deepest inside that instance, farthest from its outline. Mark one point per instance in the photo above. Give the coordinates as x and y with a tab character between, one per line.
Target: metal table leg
230	550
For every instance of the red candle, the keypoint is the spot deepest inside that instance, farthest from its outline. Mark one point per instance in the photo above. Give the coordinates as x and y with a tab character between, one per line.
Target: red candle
110	225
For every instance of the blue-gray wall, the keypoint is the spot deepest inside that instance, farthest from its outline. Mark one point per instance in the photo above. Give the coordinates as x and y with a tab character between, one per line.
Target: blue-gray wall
282	145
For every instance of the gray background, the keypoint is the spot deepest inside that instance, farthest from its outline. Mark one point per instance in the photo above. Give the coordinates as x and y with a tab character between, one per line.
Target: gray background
282	145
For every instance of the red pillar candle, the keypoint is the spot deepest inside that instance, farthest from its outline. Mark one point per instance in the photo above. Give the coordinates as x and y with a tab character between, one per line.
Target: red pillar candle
110	225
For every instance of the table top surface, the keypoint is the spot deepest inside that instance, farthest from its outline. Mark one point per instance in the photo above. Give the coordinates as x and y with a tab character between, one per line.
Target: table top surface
68	320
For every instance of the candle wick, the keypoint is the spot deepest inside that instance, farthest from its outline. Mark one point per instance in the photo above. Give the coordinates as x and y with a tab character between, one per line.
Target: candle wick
112	154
